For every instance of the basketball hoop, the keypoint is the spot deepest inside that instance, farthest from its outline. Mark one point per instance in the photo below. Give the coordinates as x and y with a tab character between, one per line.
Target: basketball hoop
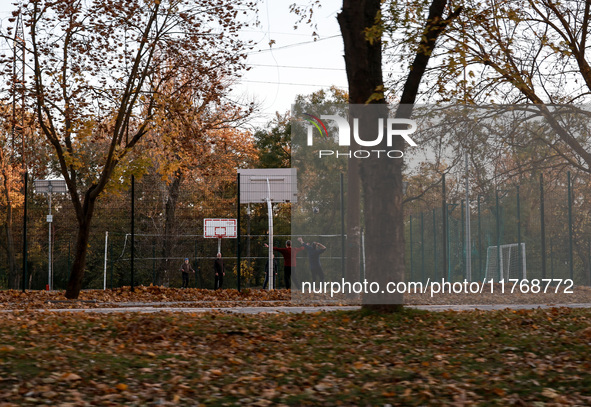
219	229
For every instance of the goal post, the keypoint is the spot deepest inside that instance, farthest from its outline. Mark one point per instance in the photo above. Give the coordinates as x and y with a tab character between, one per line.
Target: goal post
509	262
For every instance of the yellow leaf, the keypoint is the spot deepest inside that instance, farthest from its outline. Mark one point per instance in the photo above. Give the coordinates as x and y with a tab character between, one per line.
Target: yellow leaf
121	386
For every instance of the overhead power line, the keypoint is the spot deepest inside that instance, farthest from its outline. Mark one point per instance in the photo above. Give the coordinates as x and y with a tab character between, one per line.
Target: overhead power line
293	45
317	68
299	67
294	84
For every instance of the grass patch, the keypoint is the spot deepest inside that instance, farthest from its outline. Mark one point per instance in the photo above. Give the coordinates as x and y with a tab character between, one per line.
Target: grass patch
335	358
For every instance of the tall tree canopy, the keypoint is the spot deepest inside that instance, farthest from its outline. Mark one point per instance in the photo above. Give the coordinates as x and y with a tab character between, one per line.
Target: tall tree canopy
99	70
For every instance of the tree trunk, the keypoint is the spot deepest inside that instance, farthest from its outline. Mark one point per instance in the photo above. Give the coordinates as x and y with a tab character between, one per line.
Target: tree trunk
81	249
361	86
382	205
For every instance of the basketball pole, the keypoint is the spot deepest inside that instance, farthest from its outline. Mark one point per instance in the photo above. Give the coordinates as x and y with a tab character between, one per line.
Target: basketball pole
238	259
467	225
270	214
255	191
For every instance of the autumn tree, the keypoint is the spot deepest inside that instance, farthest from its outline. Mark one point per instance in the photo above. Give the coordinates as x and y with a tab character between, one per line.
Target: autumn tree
522	52
98	71
196	142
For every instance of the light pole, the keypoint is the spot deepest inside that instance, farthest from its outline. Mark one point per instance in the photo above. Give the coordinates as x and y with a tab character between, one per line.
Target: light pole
49	187
248	213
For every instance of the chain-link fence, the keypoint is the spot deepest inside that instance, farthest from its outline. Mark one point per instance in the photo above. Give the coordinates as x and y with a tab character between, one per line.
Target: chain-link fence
540	234
168	228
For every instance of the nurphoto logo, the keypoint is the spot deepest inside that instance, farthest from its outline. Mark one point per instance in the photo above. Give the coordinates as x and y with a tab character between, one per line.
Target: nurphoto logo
394	128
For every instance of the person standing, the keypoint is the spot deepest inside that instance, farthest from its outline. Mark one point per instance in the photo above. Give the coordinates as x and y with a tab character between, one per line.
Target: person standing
186	269
289	256
275	268
314	251
218	267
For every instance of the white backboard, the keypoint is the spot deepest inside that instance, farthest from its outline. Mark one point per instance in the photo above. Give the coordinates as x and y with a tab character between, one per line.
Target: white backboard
219	228
256	183
55	186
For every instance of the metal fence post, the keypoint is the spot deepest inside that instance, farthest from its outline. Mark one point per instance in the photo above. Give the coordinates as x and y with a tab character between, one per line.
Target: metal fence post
342	227
434	245
411	257
589	259
551	260
498	237
25	250
463	235
542	226
479	242
195	265
444	221
447	241
570	226
69	259
422	248
238	265
520	256
132	230
154	261
111	260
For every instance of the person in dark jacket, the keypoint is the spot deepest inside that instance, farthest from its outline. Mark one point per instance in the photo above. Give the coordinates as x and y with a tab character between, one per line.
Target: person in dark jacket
218	267
186	269
314	250
275	269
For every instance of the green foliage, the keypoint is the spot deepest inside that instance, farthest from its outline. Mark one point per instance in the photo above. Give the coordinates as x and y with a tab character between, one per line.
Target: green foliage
274	143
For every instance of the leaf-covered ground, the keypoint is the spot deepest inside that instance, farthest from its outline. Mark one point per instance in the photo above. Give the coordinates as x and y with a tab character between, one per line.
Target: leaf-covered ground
156	296
537	358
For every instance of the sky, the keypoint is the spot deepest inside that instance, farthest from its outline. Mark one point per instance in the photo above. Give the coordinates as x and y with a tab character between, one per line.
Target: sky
294	65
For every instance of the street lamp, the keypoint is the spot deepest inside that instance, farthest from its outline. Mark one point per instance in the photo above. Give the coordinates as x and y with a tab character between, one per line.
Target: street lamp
49	187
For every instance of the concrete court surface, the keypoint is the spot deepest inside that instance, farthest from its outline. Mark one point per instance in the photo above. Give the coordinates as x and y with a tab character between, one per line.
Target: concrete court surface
300	309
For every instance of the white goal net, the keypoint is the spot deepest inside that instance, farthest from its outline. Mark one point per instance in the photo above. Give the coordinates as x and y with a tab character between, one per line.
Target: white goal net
507	263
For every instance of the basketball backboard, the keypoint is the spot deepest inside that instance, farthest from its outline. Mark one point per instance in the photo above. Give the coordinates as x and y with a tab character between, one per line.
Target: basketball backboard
219	228
256	185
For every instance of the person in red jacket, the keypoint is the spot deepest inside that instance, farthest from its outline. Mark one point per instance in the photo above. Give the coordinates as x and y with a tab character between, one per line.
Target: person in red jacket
289	255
